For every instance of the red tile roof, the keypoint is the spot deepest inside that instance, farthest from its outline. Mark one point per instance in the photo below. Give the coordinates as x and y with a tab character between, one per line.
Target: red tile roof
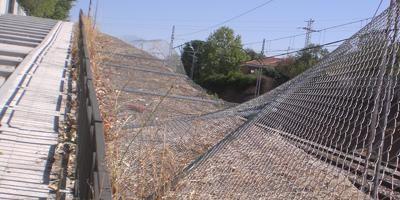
265	62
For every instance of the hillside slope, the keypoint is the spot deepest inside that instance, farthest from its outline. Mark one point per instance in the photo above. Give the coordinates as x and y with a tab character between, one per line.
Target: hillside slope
136	91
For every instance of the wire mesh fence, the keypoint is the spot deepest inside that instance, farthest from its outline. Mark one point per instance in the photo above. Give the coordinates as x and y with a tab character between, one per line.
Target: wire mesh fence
330	133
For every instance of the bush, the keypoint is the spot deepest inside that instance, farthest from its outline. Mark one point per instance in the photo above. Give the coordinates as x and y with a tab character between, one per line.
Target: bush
219	82
276	75
54	9
272	73
302	61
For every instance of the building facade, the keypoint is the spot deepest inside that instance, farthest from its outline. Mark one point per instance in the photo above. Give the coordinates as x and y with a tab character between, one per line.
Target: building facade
265	63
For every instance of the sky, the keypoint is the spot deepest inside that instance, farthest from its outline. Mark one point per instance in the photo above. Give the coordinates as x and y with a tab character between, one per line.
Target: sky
153	19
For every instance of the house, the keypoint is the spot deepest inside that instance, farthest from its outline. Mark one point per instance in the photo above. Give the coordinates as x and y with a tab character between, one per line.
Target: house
11	7
249	67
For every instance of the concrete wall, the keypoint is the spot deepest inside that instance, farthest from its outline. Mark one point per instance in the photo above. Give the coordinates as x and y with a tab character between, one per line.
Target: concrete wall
5	5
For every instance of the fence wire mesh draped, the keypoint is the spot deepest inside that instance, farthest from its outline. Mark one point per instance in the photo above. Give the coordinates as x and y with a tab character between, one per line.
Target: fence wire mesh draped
330	133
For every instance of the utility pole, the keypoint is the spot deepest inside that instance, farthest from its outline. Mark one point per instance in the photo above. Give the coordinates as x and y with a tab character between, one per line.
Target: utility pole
95	14
90	8
263	47
259	71
193	61
171	44
309	30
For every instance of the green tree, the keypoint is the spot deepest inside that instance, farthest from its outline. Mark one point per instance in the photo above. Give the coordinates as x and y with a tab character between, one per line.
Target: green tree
62	9
194	48
302	61
217	61
223	53
54	9
253	55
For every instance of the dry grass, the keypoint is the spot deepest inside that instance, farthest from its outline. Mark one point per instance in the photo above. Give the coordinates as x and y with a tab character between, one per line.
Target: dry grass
142	160
145	159
158	153
258	166
106	97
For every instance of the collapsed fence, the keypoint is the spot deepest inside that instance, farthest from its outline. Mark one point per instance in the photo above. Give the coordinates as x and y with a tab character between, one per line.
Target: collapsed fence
344	112
92	179
330	133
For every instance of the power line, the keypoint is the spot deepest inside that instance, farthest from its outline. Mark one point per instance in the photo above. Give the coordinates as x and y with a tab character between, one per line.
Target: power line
309	48
377	9
298	49
301	34
345	24
291	36
329	44
230	19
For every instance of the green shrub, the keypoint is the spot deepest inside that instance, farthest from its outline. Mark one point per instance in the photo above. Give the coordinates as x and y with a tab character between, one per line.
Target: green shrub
278	76
54	9
219	82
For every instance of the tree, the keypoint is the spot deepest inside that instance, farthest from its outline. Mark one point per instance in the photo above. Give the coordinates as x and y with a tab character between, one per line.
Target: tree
302	61
223	53
253	55
62	9
217	61
194	48
54	9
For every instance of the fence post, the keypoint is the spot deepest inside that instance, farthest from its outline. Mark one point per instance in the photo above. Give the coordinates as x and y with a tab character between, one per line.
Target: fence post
381	102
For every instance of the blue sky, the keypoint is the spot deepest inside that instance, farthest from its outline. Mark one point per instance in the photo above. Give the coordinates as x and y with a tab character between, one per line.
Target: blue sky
153	19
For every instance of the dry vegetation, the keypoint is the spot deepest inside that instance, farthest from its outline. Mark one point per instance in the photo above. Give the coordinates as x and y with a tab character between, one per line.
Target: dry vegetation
144	156
263	165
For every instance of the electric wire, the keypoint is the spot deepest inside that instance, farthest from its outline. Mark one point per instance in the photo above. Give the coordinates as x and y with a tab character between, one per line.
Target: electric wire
300	34
228	20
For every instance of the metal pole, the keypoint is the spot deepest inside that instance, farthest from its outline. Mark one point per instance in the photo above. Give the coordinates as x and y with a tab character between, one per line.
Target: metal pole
171	48
95	14
259	71
375	118
193	61
257	82
90	8
193	65
387	99
309	30
263	47
171	44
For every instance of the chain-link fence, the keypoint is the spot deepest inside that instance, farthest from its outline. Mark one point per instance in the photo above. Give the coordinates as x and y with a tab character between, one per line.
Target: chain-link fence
330	133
